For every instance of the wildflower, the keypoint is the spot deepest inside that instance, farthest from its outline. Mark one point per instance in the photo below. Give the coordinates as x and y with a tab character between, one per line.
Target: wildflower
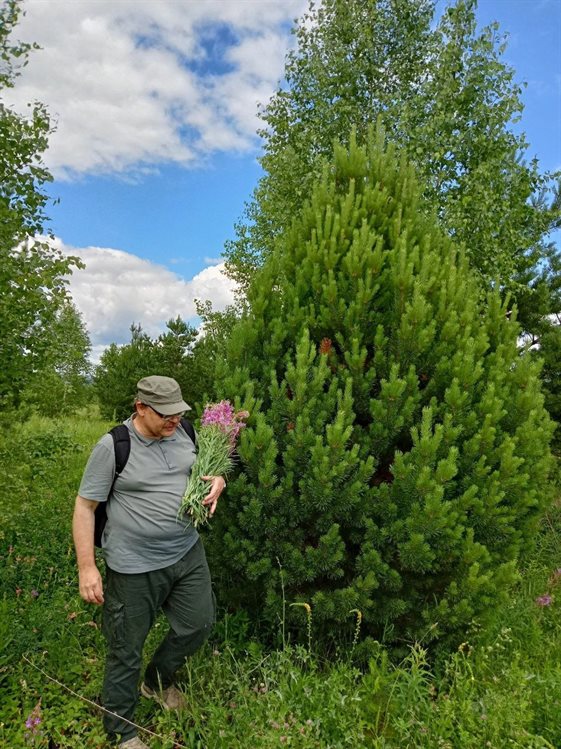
544	600
223	416
34	593
33	721
220	427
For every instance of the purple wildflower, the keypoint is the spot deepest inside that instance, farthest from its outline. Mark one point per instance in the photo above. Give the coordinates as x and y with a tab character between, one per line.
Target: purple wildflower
220	427
226	419
34	593
33	721
544	600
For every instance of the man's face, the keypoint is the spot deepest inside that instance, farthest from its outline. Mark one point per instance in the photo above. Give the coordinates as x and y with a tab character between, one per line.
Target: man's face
152	424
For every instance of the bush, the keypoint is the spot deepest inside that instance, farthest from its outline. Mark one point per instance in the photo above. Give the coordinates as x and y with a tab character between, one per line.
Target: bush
396	460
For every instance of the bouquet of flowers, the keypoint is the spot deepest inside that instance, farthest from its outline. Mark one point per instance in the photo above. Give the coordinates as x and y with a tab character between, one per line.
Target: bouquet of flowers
216	442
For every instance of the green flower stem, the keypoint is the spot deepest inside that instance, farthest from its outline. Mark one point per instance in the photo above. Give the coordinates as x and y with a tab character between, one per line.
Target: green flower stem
213	459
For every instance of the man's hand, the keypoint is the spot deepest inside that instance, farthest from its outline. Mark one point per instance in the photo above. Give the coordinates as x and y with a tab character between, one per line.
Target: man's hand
91	586
216	489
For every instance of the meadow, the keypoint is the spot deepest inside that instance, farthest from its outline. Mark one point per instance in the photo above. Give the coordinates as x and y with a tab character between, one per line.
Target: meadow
500	688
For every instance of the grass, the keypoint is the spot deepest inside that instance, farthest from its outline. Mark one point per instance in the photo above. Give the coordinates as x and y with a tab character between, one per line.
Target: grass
502	688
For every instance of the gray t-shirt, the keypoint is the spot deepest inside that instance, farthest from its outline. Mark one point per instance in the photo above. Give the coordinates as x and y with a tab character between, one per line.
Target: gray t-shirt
142	531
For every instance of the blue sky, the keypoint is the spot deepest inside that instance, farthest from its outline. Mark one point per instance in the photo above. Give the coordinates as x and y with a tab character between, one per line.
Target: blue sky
155	150
179	217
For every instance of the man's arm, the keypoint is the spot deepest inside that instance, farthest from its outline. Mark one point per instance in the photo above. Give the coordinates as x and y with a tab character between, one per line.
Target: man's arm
91	586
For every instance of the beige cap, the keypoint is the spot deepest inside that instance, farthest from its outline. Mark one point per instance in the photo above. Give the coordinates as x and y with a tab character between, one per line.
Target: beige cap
162	393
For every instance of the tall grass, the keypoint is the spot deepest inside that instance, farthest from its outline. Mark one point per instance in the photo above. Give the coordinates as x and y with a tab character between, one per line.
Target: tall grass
502	688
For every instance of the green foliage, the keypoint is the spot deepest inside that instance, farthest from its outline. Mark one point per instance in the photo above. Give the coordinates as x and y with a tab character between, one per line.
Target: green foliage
396	460
62	386
207	353
459	133
41	466
32	273
181	352
447	98
121	367
550	352
119	370
501	689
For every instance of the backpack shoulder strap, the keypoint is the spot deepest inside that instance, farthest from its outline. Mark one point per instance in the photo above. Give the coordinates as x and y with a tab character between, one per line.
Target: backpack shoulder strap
122	445
189	429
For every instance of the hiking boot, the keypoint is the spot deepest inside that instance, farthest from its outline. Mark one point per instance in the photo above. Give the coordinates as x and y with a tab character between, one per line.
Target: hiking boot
134	743
170	698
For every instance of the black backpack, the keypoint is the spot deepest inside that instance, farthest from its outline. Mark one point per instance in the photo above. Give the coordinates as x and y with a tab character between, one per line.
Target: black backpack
122	445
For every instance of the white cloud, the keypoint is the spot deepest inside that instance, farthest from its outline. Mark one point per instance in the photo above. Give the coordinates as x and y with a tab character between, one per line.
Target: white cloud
117	288
133	84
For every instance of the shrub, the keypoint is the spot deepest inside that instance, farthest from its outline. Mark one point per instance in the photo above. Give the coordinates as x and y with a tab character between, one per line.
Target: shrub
396	460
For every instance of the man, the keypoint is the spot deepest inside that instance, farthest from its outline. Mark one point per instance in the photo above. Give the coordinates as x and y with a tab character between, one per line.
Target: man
154	560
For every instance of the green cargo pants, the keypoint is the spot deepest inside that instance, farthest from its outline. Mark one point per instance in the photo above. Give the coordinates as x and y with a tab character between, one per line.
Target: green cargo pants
183	591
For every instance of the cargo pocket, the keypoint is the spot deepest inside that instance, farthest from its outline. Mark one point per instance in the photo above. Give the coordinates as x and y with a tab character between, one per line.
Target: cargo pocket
113	623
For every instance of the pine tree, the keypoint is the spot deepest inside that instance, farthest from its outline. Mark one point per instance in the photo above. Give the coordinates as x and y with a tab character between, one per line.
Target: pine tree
396	458
119	370
120	367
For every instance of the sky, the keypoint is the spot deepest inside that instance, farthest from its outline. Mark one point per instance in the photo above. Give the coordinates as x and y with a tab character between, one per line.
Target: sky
155	150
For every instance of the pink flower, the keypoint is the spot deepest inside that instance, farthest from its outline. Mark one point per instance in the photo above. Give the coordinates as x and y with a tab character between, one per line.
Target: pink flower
544	600
226	419
33	721
220	427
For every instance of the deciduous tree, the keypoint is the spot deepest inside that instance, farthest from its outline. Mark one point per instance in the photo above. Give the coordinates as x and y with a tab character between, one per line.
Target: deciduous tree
63	385
33	275
447	98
